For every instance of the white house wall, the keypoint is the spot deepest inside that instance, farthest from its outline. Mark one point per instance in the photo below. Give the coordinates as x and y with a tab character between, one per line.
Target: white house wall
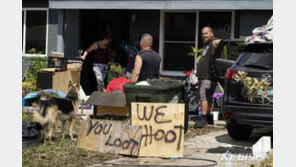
163	4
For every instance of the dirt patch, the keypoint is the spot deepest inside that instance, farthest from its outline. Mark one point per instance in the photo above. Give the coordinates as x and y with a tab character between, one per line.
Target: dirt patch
201	131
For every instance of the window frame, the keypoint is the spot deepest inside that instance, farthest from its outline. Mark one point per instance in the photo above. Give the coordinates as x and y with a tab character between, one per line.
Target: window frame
162	35
24	32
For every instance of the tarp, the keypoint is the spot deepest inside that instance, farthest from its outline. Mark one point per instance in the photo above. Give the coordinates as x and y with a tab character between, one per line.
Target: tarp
46	91
112	99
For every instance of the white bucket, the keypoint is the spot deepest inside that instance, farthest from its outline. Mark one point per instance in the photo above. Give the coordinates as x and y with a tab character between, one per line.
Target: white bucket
215	115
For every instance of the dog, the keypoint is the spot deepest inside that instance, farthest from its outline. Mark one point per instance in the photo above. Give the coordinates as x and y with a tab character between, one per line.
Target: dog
63	109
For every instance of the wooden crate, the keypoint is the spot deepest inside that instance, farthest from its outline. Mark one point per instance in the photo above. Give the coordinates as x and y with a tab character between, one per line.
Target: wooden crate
113	111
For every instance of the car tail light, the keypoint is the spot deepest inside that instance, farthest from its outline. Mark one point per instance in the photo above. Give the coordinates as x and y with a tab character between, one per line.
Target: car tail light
227	115
230	72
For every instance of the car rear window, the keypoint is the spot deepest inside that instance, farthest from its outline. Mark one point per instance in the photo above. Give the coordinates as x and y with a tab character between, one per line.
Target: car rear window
257	56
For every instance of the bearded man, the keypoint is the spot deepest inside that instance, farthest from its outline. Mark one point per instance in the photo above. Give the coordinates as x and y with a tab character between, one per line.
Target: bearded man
207	83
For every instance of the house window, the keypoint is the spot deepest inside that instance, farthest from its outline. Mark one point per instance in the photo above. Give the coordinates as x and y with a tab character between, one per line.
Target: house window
178	38
220	22
179	31
34	31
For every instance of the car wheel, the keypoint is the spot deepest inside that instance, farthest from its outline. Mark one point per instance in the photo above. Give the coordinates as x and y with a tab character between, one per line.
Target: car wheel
239	132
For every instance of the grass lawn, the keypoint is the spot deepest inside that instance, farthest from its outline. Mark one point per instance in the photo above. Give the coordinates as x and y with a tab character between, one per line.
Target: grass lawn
61	152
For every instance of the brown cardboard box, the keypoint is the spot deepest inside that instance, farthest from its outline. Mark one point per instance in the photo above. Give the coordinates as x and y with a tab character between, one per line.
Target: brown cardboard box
60	80
74	67
113	111
57	54
109	103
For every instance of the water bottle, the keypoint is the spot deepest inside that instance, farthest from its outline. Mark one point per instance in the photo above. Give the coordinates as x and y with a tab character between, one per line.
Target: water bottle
228	162
199	113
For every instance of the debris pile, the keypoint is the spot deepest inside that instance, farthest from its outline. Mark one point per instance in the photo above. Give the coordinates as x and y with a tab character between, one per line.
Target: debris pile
262	34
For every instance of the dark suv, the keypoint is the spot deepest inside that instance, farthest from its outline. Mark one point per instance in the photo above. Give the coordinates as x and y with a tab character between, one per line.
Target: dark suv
256	60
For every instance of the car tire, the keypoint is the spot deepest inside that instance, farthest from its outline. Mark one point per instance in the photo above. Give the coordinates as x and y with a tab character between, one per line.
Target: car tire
239	132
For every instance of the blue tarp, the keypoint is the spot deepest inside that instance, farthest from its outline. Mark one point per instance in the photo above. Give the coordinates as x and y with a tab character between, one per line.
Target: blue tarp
46	91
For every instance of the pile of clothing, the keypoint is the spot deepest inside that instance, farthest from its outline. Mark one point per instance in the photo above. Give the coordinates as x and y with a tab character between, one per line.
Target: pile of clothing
262	34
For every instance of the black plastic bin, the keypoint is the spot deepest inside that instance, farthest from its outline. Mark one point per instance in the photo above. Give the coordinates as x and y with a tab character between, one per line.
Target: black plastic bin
158	91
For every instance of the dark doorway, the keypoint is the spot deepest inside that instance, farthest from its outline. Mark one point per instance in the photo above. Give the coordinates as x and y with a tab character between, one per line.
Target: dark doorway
95	21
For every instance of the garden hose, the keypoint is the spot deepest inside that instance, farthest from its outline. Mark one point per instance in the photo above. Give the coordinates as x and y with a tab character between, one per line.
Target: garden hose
214	163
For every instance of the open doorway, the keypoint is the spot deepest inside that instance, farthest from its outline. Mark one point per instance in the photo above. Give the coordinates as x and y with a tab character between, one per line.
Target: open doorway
95	21
125	25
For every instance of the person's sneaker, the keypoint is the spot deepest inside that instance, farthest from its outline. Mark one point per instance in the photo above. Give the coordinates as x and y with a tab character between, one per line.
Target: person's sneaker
201	122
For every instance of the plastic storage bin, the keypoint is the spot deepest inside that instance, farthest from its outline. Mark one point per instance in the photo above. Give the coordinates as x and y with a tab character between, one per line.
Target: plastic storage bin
161	91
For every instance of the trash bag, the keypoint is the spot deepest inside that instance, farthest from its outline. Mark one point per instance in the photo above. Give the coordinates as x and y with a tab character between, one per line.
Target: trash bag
262	34
88	80
194	101
31	133
117	84
192	92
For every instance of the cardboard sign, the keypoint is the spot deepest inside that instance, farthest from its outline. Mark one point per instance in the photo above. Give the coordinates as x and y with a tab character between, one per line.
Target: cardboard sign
162	128
109	137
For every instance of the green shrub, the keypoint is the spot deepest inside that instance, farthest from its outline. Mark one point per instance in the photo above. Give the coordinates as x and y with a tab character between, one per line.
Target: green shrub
29	82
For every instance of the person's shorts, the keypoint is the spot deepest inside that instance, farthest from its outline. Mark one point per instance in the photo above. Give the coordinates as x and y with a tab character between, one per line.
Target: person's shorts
100	71
206	89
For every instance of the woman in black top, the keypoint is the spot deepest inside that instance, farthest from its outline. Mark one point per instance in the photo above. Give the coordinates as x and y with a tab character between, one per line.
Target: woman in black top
100	66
